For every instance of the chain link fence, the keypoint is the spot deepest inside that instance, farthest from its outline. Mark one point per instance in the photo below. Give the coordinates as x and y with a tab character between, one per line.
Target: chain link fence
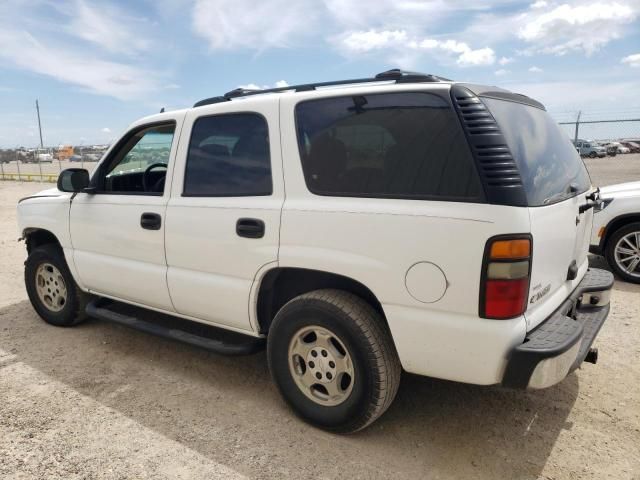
45	164
618	136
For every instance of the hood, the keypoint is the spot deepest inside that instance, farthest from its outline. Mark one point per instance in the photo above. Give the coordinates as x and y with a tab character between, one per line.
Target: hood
49	192
621	190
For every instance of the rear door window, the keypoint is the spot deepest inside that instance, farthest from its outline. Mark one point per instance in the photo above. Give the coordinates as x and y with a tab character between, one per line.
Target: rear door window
396	145
550	167
229	157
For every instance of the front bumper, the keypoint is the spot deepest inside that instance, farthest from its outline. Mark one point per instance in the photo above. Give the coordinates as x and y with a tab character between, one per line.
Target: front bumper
560	344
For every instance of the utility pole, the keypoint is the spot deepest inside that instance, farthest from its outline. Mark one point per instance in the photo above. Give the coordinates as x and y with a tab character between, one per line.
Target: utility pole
577	125
39	126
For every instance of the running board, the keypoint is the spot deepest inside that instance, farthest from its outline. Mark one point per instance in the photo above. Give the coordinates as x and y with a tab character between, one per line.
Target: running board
213	339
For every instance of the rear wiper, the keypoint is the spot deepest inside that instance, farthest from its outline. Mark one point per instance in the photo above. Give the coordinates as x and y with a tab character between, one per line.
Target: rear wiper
557	197
572	190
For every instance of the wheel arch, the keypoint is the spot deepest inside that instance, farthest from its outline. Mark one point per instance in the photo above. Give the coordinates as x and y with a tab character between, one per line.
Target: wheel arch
35	237
615	224
281	284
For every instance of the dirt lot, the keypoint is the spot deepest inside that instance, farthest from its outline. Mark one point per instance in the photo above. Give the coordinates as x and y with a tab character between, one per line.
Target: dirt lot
101	401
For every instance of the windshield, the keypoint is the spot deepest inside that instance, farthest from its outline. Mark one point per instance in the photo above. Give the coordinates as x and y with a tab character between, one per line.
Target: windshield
549	165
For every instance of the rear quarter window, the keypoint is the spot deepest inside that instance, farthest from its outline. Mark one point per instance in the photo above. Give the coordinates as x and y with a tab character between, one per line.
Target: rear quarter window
549	165
396	145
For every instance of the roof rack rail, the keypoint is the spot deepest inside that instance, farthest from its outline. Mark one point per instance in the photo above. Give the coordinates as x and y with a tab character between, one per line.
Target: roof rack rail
397	75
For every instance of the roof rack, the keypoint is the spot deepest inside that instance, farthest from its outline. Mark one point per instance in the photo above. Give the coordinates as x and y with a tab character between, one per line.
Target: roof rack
396	75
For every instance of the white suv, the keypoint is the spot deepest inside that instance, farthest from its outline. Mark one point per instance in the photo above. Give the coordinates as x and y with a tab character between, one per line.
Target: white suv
361	227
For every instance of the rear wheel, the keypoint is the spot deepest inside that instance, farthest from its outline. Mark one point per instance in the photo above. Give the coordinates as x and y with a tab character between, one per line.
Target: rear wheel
333	360
593	154
623	252
51	288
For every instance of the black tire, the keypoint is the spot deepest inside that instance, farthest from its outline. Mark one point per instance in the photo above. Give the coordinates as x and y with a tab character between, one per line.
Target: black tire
73	310
365	336
593	154
610	247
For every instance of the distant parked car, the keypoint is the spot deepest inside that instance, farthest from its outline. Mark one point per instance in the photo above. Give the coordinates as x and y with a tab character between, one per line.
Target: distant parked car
590	149
75	158
92	157
620	148
44	158
632	146
612	150
6	156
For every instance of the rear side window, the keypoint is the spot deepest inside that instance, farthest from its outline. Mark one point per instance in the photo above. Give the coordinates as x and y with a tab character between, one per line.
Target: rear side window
396	145
229	157
550	167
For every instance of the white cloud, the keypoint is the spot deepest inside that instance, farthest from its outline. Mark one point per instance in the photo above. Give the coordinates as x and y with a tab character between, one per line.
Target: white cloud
54	42
372	39
106	130
255	86
505	60
351	26
482	56
400	41
535	69
106	27
538	4
571	27
632	60
411	15
21	50
231	24
501	72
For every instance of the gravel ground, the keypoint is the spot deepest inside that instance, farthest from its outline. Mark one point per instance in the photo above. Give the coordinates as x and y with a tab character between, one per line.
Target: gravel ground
101	401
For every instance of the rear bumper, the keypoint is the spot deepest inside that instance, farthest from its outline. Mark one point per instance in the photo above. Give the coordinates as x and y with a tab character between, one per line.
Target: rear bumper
560	344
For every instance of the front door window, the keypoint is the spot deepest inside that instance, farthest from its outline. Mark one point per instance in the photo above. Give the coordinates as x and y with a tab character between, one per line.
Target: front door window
139	167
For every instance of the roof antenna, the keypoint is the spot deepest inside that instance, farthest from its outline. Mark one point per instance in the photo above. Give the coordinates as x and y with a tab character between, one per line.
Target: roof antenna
162	110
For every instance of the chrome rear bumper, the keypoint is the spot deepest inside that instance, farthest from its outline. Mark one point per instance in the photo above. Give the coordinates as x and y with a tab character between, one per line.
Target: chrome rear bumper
560	344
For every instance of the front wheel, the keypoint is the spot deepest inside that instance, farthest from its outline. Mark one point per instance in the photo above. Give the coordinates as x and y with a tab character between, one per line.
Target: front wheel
51	288
332	357
623	252
593	154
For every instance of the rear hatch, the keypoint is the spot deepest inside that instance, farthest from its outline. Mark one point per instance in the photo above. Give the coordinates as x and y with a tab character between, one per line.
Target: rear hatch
556	185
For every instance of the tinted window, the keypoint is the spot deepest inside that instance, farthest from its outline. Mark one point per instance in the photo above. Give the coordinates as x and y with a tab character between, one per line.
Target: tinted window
398	145
229	156
546	158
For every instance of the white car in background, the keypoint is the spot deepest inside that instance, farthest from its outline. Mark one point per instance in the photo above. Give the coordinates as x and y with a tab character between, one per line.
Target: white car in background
616	229
620	148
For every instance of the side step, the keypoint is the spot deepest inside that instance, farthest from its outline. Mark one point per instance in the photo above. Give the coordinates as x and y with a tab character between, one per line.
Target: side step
217	340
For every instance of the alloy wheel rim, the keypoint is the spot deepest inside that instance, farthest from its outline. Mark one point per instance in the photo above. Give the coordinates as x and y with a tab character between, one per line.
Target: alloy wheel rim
627	253
321	366
50	286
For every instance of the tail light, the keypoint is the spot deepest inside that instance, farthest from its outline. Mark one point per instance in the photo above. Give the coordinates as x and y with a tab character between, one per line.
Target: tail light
506	270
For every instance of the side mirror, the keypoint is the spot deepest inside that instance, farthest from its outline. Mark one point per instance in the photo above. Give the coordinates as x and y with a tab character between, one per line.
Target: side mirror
73	180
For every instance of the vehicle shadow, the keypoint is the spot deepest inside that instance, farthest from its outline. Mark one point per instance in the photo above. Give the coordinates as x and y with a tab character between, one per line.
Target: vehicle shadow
228	410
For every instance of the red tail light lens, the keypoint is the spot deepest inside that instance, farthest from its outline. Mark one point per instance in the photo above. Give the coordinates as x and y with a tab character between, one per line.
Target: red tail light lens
505	279
505	298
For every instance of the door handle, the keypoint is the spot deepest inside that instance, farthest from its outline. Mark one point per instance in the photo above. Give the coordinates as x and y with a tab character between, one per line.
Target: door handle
150	221
250	228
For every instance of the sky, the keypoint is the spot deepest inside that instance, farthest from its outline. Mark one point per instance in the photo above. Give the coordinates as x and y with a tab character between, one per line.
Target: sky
96	66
